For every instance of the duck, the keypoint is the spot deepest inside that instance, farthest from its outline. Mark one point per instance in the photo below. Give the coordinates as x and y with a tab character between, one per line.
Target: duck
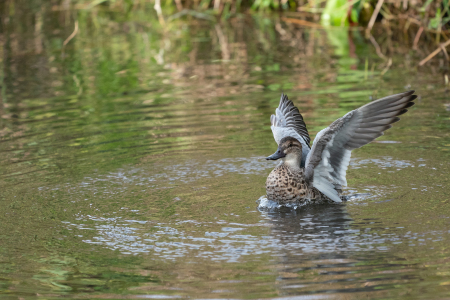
317	173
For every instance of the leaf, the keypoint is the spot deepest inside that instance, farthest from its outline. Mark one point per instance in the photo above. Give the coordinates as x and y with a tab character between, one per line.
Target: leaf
424	7
354	15
436	21
335	13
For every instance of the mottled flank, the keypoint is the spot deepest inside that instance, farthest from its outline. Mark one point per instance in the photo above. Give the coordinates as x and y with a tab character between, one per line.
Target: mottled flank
286	185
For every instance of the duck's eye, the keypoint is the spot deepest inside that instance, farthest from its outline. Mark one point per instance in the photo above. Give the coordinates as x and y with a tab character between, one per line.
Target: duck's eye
290	145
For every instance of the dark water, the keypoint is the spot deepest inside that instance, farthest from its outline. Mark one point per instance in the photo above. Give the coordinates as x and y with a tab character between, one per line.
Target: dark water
132	157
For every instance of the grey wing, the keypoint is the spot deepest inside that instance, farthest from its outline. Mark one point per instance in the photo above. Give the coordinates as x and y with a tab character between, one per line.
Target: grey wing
327	163
288	121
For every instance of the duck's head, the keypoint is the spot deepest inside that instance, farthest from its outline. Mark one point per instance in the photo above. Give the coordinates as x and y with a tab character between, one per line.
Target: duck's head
290	150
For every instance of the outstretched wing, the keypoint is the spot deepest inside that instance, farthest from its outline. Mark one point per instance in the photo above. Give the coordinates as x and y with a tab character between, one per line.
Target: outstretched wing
288	121
327	163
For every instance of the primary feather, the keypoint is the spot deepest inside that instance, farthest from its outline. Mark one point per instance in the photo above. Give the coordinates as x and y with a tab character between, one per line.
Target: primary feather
327	162
288	121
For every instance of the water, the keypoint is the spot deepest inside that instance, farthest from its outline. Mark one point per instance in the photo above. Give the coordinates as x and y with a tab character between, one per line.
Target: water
132	159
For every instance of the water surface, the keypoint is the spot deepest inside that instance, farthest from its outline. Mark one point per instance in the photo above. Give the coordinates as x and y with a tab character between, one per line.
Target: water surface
132	159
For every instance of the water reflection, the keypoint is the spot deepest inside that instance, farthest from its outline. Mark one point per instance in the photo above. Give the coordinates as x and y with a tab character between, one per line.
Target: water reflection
317	229
312	244
317	251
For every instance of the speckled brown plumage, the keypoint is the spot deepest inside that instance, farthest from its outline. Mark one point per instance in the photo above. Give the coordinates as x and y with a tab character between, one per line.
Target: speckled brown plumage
287	185
318	173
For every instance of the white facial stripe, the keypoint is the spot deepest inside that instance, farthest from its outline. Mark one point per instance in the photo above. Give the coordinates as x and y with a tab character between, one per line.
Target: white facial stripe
292	160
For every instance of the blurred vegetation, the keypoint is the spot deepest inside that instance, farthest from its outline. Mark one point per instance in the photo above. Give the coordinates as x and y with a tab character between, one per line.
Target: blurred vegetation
431	14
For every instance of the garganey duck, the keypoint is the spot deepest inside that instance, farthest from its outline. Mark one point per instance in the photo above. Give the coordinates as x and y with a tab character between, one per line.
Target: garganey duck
317	173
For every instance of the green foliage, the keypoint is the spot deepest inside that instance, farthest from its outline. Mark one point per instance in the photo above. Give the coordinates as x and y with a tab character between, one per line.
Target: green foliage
432	13
265	4
342	12
335	13
424	7
439	19
356	10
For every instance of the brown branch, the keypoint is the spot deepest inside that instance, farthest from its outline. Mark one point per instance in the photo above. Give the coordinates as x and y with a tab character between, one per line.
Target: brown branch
377	47
74	33
374	16
388	66
434	53
416	39
301	22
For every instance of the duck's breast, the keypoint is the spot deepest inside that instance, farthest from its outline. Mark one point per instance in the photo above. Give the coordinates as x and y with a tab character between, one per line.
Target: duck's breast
284	185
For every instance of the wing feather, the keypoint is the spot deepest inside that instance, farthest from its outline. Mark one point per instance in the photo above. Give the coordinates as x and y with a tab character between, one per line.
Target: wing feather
288	116
327	163
288	121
